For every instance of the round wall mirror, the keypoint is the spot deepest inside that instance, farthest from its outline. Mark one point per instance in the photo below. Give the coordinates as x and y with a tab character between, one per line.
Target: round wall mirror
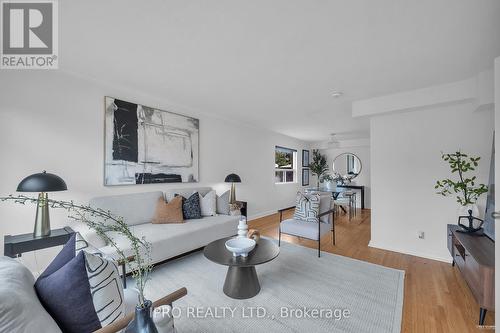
347	165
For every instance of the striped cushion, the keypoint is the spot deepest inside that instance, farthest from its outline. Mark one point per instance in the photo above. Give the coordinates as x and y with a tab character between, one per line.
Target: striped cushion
307	207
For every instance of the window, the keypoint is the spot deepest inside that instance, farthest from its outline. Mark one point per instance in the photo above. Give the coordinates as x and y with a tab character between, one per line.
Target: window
285	164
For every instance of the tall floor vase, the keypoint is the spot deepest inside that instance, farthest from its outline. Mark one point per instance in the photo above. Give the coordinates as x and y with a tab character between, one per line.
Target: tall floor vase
142	322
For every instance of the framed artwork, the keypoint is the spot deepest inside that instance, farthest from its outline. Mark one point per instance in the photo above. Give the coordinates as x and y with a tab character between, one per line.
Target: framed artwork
305	177
305	158
144	145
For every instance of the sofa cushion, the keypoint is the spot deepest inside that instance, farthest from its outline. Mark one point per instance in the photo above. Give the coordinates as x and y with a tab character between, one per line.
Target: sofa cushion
208	203
87	282
307	207
20	309
170	240
191	207
168	212
223	203
136	208
304	229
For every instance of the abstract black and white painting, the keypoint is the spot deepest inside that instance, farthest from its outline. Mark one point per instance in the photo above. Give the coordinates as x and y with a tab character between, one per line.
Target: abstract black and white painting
145	145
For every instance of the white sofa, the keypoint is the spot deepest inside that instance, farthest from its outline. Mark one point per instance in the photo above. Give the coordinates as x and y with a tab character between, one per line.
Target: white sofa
167	240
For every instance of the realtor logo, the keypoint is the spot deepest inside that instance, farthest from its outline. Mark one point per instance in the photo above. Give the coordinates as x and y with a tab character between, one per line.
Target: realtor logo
29	34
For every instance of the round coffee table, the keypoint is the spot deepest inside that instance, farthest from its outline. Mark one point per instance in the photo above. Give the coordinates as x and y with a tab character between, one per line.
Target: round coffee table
241	278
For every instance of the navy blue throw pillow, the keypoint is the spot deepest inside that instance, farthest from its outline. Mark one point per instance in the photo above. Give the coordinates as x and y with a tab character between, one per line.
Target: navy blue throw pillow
82	291
191	208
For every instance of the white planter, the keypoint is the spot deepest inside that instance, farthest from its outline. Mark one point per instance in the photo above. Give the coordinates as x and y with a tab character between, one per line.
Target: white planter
464	210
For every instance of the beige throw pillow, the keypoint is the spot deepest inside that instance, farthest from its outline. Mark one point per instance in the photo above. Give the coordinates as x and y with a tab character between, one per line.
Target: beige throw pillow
168	212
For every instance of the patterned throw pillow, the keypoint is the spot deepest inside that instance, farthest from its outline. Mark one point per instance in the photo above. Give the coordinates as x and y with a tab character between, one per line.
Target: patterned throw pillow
83	292
307	207
191	207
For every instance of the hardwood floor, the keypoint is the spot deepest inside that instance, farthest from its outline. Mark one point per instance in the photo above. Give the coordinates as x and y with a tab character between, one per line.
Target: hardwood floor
436	298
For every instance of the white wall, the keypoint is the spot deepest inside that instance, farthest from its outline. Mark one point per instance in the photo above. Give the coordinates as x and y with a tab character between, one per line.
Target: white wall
364	178
55	122
405	164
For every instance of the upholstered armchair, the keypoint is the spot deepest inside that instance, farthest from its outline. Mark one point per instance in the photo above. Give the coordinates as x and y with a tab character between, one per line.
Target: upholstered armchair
310	230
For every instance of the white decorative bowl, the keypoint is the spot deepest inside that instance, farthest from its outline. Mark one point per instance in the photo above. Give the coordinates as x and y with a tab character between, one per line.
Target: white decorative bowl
240	246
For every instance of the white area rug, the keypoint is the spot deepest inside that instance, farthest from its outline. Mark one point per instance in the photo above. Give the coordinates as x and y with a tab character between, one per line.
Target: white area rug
297	279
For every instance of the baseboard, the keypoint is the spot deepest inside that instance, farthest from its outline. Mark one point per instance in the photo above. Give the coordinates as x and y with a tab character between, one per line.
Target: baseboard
263	214
412	253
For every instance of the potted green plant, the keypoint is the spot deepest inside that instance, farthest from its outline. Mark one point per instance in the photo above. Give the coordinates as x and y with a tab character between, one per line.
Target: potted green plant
464	188
318	165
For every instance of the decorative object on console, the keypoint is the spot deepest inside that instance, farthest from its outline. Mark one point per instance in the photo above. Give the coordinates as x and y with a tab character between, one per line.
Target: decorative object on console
91	281
240	246
232	178
346	167
208	203
42	182
191	207
318	166
242	227
169	212
145	145
223	203
464	189
305	158
305	177
475	224
307	207
254	234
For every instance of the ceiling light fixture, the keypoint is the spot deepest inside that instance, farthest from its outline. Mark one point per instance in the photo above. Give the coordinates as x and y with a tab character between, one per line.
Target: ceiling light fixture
337	94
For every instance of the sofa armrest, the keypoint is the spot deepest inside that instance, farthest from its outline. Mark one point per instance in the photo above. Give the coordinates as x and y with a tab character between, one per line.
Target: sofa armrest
122	323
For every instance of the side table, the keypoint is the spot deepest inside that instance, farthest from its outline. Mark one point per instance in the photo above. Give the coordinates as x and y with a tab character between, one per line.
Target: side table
15	246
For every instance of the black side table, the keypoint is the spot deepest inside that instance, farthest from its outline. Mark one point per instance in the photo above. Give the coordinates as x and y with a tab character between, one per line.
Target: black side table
16	245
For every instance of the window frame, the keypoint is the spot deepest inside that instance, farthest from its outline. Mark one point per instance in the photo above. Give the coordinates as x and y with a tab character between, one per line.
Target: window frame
285	170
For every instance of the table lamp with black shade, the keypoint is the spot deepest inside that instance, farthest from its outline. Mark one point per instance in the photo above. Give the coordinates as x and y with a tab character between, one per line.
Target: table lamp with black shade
232	178
42	182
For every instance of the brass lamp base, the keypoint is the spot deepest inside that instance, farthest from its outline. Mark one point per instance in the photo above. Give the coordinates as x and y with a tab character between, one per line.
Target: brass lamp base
232	198
42	219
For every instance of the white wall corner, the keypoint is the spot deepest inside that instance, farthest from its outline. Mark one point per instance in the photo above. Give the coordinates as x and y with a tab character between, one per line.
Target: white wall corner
478	89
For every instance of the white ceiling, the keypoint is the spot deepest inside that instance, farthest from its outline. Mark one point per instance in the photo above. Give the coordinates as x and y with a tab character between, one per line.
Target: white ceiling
275	63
